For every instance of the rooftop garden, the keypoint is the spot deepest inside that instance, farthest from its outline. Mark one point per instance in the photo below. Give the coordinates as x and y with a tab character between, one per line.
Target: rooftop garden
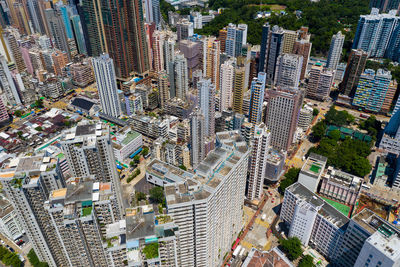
151	251
86	211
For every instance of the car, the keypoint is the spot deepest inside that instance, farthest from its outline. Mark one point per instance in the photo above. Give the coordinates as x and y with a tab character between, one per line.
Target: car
123	176
273	200
11	249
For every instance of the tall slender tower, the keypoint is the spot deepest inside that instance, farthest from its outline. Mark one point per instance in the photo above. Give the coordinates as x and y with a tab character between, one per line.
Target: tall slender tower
227	81
211	60
106	84
259	151
238	89
257	98
319	82
335	51
355	66
197	138
180	84
57	30
163	89
207	105
288	70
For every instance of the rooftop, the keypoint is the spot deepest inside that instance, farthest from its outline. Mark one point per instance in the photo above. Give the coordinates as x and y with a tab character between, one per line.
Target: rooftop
139	223
324	209
343	178
314	165
273	258
387	245
371	222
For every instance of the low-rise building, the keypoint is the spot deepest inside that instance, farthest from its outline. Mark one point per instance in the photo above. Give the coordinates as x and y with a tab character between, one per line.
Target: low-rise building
312	170
126	144
274	257
274	165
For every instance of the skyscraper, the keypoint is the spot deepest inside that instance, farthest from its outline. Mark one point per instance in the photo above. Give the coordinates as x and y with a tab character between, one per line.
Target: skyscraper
88	150
257	98
184	29
57	30
26	182
7	83
209	218
158	50
238	89
236	37
106	85
335	51
258	157
211	60
226	84
163	89
374	32
282	115
78	34
269	56
179	80
289	38
385	5
207	105
319	82
288	70
371	89
153	13
264	47
3	112
125	36
303	47
355	66
197	138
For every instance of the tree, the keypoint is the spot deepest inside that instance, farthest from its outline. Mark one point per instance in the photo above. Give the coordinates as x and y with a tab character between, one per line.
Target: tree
315	111
306	261
183	167
18	113
335	135
290	178
140	196
39	103
132	164
34	260
292	247
151	250
157	194
318	130
136	159
39	129
145	151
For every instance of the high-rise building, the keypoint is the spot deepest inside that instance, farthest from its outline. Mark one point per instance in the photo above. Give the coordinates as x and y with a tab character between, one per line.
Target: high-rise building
362	228
184	29
211	60
7	83
3	112
282	115
57	30
13	47
303	47
88	151
153	14
78	33
36	17
193	54
26	182
371	89
207	105
257	164
319	82
257	98
82	74
125	36
222	35
288	71
289	38
209	211
374	32
385	5
179	80
227	84
389	97
158	50
236	37
106	85
163	89
238	89
355	66
335	51
169	52
197	138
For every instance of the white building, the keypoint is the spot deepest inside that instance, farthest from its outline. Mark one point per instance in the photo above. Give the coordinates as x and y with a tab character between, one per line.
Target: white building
181	79
311	171
380	249
288	70
305	117
226	84
104	72
207	105
126	143
9	223
207	206
7	83
313	220
335	51
257	164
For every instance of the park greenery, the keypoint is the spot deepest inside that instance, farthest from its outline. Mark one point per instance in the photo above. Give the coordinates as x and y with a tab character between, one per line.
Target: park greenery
34	260
151	251
324	18
140	196
183	167
145	151
157	195
133	176
292	247
386	64
315	111
306	261
9	258
291	177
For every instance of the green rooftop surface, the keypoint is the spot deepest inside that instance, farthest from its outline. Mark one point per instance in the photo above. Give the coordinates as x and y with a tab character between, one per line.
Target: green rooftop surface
340	207
129	137
86	211
346	130
315	168
60	156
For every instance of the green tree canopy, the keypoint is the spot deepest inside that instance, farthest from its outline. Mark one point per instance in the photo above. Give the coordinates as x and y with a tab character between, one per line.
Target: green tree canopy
157	194
318	130
34	260
306	261
292	247
315	111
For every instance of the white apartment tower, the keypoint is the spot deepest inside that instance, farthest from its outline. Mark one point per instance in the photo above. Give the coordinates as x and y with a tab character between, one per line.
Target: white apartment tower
319	82
181	76
288	70
257	163
88	151
227	84
197	138
335	51
207	104
207	206
7	84
106	85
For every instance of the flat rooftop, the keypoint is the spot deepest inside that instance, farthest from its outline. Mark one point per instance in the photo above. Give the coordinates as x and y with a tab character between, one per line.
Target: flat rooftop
343	178
325	210
372	222
139	223
314	165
